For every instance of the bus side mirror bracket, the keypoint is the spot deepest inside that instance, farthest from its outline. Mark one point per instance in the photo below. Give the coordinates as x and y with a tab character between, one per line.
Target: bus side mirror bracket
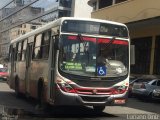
56	42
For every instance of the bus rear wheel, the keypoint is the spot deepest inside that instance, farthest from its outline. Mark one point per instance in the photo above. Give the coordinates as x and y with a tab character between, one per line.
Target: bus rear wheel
17	88
40	96
98	109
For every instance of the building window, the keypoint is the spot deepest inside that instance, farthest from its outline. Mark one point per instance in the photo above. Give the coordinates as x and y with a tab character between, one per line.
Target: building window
64	13
105	3
33	27
94	6
35	10
18	32
24	32
65	3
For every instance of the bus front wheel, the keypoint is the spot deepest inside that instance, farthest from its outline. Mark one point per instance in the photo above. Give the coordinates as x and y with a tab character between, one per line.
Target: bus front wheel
98	109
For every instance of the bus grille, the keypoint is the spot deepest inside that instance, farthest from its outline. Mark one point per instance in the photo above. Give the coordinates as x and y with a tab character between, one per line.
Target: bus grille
97	91
93	99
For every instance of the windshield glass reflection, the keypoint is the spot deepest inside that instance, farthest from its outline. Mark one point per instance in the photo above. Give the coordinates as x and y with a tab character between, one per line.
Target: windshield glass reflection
89	56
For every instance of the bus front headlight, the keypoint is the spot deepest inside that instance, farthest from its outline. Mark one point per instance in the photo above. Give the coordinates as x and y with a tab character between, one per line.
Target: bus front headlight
66	88
119	89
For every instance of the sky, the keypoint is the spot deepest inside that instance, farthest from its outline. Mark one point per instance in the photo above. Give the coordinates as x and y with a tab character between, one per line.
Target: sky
3	2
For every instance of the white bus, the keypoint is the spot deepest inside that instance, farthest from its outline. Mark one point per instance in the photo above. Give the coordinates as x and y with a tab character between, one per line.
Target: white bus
72	61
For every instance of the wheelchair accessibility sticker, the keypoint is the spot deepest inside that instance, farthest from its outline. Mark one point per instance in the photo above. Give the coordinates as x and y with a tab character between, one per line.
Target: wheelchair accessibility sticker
102	70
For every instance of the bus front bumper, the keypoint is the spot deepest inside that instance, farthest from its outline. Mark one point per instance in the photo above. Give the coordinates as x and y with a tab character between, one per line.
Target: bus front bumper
63	98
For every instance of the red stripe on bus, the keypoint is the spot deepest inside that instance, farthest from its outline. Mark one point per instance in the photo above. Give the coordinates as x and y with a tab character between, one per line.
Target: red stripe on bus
72	37
103	40
100	40
89	39
120	42
84	38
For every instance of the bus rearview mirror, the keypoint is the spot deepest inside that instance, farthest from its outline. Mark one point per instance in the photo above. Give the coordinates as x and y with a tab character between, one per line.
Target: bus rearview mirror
132	55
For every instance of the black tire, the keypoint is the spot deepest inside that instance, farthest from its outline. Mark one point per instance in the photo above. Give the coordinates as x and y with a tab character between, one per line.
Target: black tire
17	87
98	109
40	94
150	98
130	95
27	95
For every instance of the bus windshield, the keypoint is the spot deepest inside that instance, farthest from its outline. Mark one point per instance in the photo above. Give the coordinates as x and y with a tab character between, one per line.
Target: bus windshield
93	56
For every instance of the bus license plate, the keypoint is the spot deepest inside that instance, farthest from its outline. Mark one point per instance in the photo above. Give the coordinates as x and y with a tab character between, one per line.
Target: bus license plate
119	101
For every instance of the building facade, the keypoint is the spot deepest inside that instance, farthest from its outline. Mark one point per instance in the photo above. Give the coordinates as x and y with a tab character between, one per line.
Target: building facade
55	8
143	20
80	8
8	35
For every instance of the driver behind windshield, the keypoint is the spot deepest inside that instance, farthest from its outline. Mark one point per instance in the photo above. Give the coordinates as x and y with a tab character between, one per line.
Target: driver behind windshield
103	56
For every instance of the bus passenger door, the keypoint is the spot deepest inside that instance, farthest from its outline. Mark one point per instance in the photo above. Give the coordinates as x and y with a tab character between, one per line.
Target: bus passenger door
52	64
28	67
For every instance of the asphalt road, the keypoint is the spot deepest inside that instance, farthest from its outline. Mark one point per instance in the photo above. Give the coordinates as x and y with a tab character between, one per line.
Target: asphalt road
22	109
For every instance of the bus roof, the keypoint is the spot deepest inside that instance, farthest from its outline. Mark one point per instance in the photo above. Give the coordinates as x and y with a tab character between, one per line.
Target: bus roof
59	22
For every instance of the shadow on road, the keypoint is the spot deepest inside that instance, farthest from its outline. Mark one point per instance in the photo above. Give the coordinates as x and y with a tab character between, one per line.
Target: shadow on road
73	112
146	105
25	109
70	112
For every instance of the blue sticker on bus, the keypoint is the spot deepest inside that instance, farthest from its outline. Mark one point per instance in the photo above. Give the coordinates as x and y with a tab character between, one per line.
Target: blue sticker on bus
102	70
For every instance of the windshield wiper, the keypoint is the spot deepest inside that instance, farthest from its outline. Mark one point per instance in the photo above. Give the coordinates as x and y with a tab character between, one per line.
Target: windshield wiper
80	38
110	42
106	46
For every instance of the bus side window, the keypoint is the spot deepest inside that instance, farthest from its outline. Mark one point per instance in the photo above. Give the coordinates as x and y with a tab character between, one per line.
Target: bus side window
19	51
37	54
45	44
10	53
15	50
24	47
